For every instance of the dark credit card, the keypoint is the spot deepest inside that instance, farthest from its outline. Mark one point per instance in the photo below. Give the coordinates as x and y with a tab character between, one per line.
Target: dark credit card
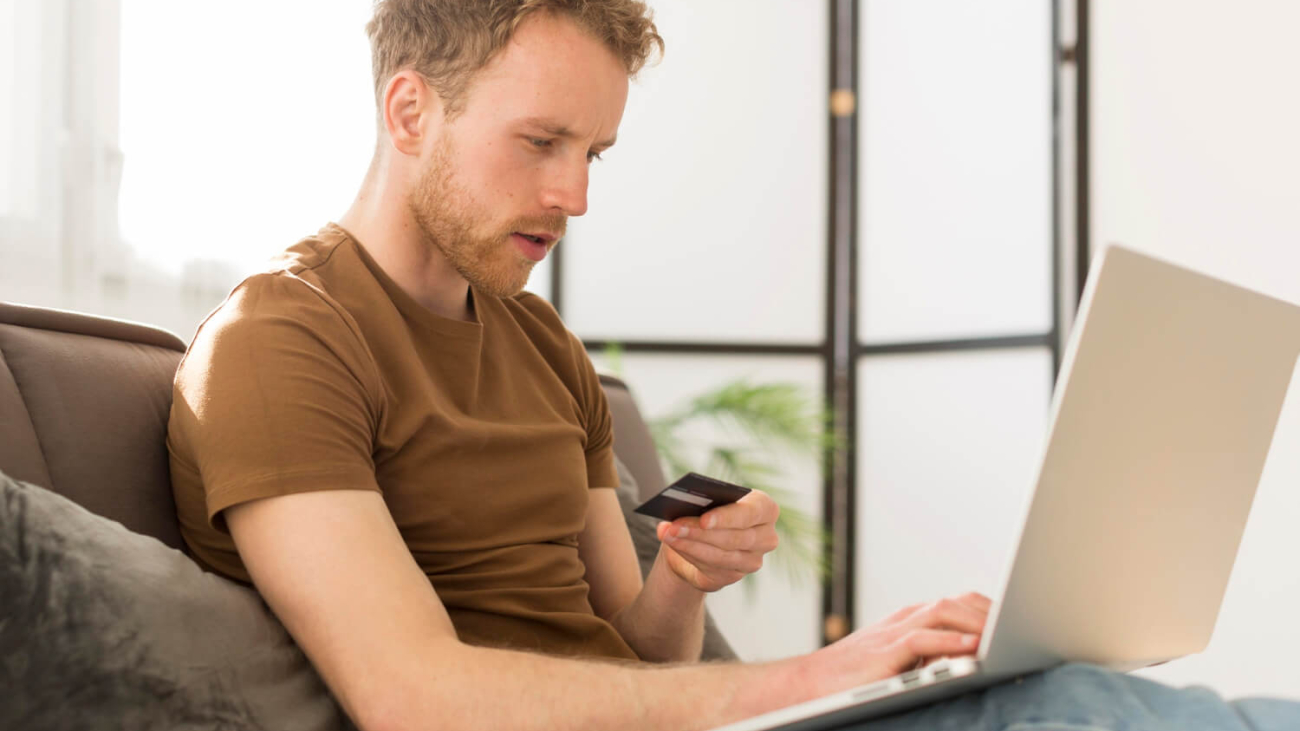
690	497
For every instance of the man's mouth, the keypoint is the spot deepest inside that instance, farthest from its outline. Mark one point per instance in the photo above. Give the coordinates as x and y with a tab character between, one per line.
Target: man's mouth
533	246
538	238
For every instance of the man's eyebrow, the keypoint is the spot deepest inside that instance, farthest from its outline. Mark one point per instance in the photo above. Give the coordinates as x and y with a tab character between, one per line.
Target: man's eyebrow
552	127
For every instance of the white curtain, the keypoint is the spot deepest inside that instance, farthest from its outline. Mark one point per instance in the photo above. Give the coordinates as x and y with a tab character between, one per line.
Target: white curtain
59	160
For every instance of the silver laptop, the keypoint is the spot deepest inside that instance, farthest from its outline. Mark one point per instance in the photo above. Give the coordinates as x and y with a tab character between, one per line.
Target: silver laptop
1162	418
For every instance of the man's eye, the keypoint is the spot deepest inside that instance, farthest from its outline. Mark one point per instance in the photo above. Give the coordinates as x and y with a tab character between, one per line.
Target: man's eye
543	144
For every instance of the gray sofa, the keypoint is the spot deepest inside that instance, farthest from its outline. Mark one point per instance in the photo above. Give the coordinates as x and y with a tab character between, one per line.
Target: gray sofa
84	402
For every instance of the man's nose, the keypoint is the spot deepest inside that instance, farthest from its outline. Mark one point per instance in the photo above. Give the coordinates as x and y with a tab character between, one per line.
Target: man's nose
567	192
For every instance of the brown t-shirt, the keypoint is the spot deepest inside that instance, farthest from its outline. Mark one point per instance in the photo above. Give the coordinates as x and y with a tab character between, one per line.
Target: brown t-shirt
483	437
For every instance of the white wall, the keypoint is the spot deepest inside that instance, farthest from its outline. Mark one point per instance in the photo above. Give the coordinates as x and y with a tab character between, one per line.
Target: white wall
1197	159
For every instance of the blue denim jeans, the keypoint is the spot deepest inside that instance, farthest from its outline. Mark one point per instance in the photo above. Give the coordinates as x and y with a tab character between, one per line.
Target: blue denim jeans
1087	698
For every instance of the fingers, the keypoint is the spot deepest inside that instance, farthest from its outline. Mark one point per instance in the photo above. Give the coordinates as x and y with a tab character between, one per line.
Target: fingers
755	508
762	539
708	556
976	601
966	613
924	644
746	525
726	543
946	614
900	615
921	632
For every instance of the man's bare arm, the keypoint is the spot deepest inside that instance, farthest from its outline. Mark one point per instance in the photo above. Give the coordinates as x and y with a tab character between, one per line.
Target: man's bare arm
335	570
663	620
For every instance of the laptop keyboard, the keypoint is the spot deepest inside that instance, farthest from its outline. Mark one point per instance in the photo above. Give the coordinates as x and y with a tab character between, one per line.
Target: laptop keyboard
936	672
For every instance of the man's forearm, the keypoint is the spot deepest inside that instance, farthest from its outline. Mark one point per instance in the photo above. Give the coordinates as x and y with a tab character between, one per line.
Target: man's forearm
666	620
491	688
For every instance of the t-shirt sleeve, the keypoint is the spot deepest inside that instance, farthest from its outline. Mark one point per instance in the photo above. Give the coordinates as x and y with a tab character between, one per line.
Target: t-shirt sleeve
601	471
275	396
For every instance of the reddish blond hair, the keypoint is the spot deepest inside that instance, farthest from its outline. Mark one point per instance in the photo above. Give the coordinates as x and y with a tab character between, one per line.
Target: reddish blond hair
448	41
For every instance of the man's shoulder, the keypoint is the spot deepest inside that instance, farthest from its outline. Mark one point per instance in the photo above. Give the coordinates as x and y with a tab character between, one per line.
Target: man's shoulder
537	307
295	284
539	319
271	300
288	300
312	257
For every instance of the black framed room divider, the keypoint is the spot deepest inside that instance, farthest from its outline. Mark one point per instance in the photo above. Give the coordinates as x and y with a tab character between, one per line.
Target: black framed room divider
841	349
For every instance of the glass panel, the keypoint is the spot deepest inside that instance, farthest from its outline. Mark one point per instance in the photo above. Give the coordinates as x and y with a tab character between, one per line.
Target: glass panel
948	447
955	166
778	616
707	220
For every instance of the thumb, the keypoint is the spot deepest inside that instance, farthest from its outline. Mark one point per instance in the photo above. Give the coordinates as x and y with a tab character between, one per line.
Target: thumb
662	529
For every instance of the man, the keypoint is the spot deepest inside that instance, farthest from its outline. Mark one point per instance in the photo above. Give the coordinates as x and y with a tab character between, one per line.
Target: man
411	459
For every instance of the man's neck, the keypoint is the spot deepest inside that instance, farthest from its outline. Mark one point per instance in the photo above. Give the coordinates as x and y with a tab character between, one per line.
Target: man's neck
381	221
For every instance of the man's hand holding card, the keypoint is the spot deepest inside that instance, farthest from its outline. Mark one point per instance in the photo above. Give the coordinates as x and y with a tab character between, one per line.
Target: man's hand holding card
714	533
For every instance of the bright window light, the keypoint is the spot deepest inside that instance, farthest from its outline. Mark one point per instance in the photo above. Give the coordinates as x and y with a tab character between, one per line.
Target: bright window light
245	125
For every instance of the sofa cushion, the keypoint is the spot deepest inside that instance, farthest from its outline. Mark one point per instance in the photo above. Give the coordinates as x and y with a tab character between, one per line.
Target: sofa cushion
632	439
20	450
85	403
105	628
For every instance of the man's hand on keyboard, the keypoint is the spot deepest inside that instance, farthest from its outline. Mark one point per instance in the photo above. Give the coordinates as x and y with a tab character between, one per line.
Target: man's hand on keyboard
912	635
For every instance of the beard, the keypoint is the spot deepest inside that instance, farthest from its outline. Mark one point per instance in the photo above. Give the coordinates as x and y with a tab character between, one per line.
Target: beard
460	228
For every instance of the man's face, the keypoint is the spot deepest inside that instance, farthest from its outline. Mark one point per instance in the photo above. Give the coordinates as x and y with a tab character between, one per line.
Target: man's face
515	160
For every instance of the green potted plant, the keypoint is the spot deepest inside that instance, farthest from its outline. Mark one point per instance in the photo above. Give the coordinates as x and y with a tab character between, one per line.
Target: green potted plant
761	422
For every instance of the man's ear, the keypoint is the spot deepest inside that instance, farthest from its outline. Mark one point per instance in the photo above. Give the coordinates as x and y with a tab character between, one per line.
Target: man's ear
411	109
